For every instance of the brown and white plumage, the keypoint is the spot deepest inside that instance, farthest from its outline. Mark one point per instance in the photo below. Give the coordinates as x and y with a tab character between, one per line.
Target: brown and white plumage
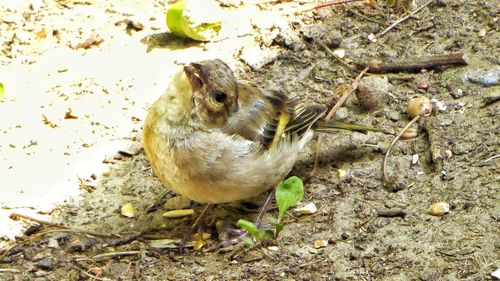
214	139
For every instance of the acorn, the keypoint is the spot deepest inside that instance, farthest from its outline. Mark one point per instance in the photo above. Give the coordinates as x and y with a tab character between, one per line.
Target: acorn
419	106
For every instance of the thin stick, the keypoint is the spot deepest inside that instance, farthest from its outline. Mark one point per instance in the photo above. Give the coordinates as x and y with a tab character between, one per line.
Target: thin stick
337	2
328	50
92	233
264	208
107	256
403	19
344	97
416	65
330	114
391	213
195	225
9	270
386	178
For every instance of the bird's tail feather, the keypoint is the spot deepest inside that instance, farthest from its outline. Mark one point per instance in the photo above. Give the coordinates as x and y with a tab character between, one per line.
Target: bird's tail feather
331	126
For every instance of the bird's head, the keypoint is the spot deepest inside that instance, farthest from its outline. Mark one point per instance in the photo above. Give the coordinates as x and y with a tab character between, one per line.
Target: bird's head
214	89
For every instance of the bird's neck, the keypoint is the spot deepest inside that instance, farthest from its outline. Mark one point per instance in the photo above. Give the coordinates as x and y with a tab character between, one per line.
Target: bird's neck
172	112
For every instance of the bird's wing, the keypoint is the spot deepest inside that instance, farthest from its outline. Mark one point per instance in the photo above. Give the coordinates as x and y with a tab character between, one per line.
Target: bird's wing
266	116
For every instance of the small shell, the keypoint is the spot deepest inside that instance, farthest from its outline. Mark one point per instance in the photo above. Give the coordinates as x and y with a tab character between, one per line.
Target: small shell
439	209
419	106
127	210
308	209
178	213
321	243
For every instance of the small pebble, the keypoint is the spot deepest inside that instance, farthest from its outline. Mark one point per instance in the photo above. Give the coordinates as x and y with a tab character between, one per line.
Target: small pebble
47	263
273	248
40	273
372	92
446	122
458	93
341	113
423	85
496	274
448	153
439	105
414	159
53	243
340	53
177	203
393	115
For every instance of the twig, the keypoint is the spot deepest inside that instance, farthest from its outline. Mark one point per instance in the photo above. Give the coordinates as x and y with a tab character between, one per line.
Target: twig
418	64
9	270
328	50
108	256
365	17
265	207
344	97
330	114
403	19
386	178
392	213
491	158
435	142
337	2
92	233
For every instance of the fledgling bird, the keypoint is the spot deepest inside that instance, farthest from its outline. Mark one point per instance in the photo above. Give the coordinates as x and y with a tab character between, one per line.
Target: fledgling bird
214	139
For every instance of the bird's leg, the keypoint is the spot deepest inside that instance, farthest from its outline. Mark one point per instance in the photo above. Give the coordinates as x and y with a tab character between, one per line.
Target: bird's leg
243	233
197	223
264	208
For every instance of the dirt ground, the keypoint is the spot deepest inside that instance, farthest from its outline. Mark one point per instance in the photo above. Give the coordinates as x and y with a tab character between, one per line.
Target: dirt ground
454	159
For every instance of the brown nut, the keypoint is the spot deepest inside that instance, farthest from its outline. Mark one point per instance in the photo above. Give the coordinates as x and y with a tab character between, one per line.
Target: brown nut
419	106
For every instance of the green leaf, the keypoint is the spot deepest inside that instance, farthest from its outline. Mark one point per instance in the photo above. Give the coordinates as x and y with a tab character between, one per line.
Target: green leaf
1	90
288	194
266	234
247	240
390	2
250	227
277	226
197	20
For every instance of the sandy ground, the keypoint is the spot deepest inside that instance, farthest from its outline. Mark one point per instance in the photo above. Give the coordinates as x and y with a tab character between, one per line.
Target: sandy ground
68	109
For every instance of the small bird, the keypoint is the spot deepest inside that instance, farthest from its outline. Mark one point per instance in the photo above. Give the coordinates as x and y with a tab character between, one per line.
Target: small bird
214	139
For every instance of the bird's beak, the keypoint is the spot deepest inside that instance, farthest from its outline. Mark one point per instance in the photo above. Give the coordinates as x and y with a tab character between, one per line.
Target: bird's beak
193	77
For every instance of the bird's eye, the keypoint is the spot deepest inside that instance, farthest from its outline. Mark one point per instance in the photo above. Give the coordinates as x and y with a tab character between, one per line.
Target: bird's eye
220	97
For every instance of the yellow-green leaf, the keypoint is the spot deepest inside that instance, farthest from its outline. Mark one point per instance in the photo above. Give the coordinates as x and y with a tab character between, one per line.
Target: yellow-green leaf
1	90
288	194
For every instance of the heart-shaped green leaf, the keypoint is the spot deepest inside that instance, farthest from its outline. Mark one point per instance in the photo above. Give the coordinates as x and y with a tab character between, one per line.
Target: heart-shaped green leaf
288	194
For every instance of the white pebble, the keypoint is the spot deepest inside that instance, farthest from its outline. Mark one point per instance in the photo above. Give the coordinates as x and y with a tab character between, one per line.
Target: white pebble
414	159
